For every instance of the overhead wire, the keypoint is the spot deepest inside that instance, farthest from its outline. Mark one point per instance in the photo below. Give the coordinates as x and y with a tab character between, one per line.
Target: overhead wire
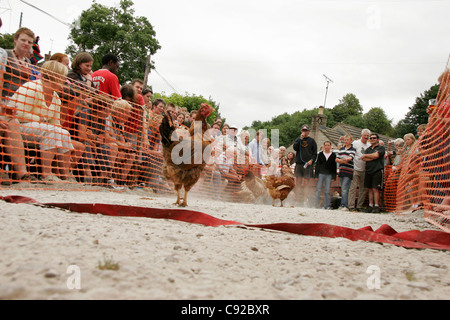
45	12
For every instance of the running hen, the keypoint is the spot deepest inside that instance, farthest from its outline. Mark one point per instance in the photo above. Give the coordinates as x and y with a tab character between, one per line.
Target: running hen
279	187
256	185
184	158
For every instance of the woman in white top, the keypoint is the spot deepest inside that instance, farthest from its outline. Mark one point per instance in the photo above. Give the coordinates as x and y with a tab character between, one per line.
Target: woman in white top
326	170
38	110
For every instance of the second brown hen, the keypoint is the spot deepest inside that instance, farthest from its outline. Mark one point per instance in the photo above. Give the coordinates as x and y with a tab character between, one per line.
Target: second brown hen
279	187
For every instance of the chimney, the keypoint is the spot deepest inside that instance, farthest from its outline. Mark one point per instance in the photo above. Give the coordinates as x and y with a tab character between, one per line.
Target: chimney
318	120
321	108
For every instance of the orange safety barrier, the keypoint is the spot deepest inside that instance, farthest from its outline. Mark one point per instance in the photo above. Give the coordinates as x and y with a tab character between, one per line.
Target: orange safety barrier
59	130
60	133
422	180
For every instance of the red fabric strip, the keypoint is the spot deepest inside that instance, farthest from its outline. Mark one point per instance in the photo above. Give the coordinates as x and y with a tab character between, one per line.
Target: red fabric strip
429	239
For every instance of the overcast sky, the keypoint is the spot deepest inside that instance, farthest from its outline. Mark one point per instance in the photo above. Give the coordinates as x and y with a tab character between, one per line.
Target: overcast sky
259	59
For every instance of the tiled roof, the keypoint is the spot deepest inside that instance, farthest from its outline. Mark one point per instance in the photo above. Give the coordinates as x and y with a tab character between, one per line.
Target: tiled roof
342	129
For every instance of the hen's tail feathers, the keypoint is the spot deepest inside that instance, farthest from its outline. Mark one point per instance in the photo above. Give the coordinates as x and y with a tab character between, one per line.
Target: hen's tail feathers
166	129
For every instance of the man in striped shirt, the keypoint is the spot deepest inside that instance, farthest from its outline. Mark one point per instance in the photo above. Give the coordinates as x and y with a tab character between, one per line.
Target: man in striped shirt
345	158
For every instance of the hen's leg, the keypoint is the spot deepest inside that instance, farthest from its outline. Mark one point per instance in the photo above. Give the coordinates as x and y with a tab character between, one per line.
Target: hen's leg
177	188
184	204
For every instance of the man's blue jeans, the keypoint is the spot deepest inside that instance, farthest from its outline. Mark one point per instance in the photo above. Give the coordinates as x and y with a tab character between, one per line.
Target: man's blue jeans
345	187
324	182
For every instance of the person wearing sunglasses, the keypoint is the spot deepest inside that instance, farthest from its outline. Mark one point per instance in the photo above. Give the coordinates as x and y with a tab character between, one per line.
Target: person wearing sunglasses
373	181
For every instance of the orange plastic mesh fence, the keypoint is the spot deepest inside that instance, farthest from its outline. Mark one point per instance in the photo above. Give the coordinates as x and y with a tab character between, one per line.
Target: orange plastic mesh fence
67	134
54	126
422	180
60	130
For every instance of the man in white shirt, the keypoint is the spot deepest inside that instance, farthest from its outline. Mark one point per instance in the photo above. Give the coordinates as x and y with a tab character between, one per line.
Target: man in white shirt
359	172
256	148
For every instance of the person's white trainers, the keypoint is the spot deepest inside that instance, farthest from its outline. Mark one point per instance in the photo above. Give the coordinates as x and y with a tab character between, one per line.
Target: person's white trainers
112	185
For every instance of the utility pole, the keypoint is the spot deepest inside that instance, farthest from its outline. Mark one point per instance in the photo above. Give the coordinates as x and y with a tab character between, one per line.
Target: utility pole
326	92
147	70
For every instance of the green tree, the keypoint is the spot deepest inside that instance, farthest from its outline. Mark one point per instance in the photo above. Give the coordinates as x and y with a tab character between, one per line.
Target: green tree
376	120
356	121
417	113
7	41
101	30
288	125
255	124
348	106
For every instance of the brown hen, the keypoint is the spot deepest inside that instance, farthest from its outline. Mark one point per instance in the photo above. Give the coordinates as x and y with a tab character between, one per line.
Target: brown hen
256	186
279	187
184	158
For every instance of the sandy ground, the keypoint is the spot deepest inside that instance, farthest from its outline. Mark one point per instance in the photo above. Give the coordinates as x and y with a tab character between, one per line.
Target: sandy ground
55	254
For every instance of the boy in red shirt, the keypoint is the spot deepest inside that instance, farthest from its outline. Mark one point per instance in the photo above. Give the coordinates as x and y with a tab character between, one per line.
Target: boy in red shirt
105	79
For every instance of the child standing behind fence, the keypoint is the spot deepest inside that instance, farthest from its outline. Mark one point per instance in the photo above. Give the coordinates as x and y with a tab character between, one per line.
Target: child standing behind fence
38	110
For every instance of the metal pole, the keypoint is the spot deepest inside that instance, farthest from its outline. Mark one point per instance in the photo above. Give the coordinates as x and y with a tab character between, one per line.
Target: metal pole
326	92
147	70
